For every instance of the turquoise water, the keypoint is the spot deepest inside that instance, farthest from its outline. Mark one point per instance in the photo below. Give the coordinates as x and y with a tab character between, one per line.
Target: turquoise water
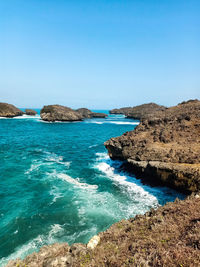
57	183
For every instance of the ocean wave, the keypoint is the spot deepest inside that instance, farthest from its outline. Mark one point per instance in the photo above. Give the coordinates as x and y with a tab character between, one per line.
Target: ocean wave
131	185
76	182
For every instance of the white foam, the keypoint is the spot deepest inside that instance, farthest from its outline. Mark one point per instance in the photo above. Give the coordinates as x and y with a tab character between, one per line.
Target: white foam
76	182
50	159
131	185
102	156
24	116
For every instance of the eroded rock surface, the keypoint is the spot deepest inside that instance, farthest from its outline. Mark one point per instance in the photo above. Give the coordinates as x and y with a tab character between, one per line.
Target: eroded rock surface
165	145
54	113
9	111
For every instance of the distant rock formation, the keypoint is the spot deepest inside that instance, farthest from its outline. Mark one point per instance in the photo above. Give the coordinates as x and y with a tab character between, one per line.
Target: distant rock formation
98	115
30	112
120	110
138	112
164	146
9	111
144	111
86	113
54	113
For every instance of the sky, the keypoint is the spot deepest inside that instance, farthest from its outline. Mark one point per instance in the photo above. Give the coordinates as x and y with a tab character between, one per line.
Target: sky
99	54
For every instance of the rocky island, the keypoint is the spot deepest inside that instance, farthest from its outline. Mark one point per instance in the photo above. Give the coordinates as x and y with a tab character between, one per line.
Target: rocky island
139	112
30	112
88	114
144	111
99	115
120	110
9	111
54	113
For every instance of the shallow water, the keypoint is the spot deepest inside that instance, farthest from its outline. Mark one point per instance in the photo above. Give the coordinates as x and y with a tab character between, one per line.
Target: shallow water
57	183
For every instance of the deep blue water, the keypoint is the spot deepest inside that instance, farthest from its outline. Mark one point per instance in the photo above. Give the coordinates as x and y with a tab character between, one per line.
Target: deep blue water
57	183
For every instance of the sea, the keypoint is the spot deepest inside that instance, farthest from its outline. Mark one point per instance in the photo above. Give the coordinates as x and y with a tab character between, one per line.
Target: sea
58	184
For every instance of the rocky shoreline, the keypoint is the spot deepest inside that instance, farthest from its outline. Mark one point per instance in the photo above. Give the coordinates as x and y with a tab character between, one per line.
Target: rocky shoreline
164	148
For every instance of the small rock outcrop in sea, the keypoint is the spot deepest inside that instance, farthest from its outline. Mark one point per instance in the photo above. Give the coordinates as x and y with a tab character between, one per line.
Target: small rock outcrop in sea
9	111
98	115
86	113
168	236
30	112
165	147
54	113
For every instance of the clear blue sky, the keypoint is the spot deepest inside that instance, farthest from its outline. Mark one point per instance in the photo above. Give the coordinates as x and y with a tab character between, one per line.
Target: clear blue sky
99	54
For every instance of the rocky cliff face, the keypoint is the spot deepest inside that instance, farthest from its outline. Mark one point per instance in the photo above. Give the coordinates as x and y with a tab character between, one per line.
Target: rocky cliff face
9	111
59	113
165	146
168	236
30	112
